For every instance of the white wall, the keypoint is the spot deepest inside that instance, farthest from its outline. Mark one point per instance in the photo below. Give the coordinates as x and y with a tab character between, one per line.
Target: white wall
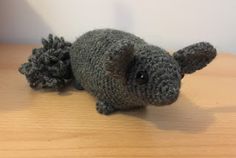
171	24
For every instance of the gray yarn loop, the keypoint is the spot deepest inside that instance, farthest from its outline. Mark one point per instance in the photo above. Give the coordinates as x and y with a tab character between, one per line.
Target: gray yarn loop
49	66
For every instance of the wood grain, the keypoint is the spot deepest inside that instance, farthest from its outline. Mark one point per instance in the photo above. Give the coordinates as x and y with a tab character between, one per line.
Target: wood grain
38	124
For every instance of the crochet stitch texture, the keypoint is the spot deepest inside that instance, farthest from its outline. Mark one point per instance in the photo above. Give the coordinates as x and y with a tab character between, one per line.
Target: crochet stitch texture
124	72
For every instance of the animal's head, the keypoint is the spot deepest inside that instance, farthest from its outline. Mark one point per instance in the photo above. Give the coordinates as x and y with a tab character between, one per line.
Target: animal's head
150	73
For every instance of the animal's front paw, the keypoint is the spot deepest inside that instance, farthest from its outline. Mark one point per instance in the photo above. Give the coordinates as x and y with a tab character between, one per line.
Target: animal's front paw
104	108
78	86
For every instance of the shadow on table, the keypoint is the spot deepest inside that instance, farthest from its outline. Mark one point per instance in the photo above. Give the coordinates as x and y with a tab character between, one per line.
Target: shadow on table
66	91
183	115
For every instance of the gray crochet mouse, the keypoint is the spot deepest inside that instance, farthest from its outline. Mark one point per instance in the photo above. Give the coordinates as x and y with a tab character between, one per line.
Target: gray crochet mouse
121	70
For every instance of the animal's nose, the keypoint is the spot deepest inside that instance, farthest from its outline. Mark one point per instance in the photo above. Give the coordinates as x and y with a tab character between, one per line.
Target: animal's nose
169	93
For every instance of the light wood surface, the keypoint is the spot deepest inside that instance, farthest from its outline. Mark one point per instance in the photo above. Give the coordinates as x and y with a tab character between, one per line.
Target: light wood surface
37	124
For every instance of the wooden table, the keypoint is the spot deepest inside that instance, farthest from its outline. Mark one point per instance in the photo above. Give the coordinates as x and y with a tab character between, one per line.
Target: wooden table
37	124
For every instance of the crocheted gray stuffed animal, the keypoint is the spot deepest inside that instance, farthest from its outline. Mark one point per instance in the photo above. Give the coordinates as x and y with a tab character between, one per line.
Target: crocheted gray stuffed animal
121	70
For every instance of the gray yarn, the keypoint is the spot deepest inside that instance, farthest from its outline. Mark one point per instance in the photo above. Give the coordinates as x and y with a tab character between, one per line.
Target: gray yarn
107	63
49	66
124	72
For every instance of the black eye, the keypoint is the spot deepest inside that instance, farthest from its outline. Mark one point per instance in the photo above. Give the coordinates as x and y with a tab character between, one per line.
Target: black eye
141	77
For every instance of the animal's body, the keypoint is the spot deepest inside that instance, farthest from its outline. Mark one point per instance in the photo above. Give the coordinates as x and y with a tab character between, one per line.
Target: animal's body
120	69
88	56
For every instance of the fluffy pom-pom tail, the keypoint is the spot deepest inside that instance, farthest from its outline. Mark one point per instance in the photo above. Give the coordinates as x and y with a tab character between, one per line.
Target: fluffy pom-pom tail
49	66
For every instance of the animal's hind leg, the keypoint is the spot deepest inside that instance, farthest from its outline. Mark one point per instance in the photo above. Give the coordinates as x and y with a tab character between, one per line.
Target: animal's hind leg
104	107
78	86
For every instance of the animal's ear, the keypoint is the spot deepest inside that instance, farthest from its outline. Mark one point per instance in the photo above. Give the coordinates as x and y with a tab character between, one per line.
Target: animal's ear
118	57
195	57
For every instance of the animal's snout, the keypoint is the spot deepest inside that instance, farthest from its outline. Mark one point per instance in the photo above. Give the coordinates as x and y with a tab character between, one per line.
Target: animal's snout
169	93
